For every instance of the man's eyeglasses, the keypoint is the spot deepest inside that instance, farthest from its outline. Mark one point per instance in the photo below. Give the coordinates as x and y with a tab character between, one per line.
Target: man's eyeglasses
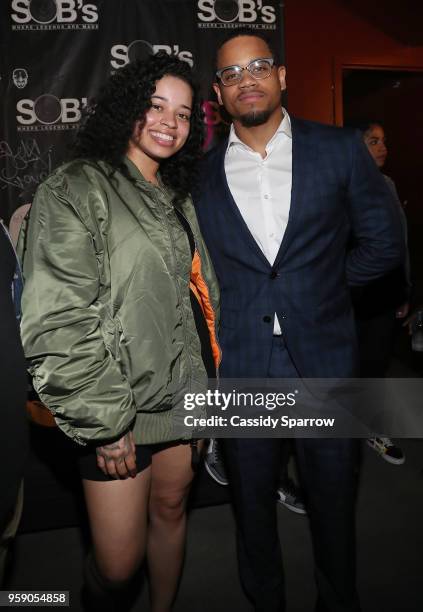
259	68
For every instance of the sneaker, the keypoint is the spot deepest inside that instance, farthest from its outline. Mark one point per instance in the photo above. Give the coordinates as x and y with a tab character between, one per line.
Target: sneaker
387	450
289	495
214	463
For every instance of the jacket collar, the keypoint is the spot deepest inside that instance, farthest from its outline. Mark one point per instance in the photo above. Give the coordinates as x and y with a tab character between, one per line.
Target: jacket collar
133	171
137	177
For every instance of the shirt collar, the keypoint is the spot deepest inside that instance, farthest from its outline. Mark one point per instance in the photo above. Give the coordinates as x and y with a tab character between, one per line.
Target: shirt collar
284	128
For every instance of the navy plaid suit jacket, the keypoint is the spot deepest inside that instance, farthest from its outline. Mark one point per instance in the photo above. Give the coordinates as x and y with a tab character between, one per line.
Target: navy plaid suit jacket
337	192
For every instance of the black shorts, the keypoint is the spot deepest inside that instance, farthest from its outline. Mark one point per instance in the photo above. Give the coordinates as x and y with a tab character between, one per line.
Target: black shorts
87	459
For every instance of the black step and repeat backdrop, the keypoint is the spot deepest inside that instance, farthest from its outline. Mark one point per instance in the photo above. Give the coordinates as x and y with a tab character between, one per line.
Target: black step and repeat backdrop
56	53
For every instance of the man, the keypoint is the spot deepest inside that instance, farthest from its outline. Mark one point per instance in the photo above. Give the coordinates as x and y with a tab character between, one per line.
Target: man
279	200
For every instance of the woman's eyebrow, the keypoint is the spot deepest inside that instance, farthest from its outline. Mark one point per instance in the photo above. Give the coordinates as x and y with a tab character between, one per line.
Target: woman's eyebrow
166	100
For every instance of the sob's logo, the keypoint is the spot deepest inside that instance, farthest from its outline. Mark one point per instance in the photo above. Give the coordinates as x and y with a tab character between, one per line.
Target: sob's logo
54	15
48	113
141	49
235	13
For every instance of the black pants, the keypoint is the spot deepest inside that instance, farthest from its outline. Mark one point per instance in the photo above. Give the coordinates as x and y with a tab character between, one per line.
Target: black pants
328	472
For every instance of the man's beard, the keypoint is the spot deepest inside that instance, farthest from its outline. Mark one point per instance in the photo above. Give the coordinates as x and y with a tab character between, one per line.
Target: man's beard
254	118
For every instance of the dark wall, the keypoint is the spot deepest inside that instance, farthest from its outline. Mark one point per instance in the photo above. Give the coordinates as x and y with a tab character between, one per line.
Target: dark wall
322	36
319	33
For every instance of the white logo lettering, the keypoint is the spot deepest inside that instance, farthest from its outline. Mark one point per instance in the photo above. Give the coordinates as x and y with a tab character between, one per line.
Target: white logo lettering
240	11
247	12
45	12
48	110
66	12
140	49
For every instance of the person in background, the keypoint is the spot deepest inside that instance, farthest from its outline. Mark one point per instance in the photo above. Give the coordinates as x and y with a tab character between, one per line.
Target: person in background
13	386
119	318
379	304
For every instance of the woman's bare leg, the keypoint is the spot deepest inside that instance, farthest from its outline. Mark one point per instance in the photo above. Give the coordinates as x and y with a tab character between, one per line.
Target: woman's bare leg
117	512
170	481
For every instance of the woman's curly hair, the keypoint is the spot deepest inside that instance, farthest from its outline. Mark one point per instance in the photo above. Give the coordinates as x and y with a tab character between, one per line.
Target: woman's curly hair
125	99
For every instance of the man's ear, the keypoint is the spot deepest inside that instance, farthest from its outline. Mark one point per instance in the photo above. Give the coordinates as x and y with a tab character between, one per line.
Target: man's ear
282	77
216	88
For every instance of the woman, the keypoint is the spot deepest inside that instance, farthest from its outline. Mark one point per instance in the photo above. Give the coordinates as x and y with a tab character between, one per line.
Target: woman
378	304
119	317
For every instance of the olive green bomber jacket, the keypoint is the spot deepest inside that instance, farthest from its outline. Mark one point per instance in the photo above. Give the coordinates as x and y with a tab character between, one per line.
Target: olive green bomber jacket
107	322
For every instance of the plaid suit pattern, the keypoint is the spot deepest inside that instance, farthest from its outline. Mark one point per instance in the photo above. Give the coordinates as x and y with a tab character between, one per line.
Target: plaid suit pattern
336	190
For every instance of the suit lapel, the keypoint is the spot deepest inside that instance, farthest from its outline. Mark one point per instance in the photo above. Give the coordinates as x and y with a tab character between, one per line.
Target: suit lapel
225	196
303	161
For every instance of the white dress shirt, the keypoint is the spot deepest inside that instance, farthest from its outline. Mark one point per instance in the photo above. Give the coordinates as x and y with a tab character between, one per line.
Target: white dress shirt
261	188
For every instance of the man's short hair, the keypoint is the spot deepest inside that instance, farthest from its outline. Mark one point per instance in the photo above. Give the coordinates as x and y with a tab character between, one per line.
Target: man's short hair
246	31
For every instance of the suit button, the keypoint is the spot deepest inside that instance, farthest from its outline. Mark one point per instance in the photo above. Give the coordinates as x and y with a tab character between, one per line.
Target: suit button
283	315
267	319
274	274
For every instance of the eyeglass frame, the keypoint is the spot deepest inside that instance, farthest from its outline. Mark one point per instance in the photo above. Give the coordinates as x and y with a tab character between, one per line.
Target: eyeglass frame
270	60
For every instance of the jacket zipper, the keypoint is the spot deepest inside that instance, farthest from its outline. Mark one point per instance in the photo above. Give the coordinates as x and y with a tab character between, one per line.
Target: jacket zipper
168	227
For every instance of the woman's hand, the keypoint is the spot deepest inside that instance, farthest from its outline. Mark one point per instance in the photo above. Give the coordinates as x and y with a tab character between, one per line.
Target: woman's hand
118	459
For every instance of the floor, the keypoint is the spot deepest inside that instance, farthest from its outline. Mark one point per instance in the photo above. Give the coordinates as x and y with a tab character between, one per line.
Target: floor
389	539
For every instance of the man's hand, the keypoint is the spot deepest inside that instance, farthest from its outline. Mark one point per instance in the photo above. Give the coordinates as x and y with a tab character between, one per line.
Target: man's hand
402	311
118	459
410	320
